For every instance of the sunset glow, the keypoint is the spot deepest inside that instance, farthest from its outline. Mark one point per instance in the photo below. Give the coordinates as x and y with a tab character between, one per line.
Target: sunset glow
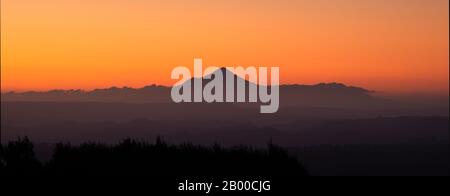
394	46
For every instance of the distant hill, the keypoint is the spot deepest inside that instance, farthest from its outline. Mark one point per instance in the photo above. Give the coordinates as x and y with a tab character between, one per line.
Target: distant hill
158	93
147	94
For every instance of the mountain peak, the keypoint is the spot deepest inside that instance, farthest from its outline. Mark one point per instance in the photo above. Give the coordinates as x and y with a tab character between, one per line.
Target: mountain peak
223	69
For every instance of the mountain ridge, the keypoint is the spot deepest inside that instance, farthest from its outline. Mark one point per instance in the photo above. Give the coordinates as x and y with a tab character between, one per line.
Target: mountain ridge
334	85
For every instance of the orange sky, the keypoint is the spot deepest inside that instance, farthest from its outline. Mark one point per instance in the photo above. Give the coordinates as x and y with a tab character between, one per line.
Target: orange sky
394	46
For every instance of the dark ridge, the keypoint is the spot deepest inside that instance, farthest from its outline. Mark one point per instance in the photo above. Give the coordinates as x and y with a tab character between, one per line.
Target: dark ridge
137	158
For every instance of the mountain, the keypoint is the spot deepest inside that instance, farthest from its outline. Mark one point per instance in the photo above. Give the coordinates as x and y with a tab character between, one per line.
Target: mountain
319	95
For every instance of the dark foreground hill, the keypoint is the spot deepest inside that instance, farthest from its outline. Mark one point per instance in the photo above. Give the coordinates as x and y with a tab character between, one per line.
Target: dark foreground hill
134	158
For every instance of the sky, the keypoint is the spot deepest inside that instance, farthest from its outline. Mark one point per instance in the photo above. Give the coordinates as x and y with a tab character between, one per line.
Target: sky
390	46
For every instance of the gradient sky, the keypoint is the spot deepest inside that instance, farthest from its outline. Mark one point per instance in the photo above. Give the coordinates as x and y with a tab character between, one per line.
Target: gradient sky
391	46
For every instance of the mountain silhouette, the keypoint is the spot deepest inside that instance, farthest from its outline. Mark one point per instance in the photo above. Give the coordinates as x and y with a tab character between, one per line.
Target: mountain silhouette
224	73
319	95
323	96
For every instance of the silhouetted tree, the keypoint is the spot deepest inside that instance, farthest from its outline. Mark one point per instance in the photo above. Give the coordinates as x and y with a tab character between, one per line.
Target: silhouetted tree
18	158
132	157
